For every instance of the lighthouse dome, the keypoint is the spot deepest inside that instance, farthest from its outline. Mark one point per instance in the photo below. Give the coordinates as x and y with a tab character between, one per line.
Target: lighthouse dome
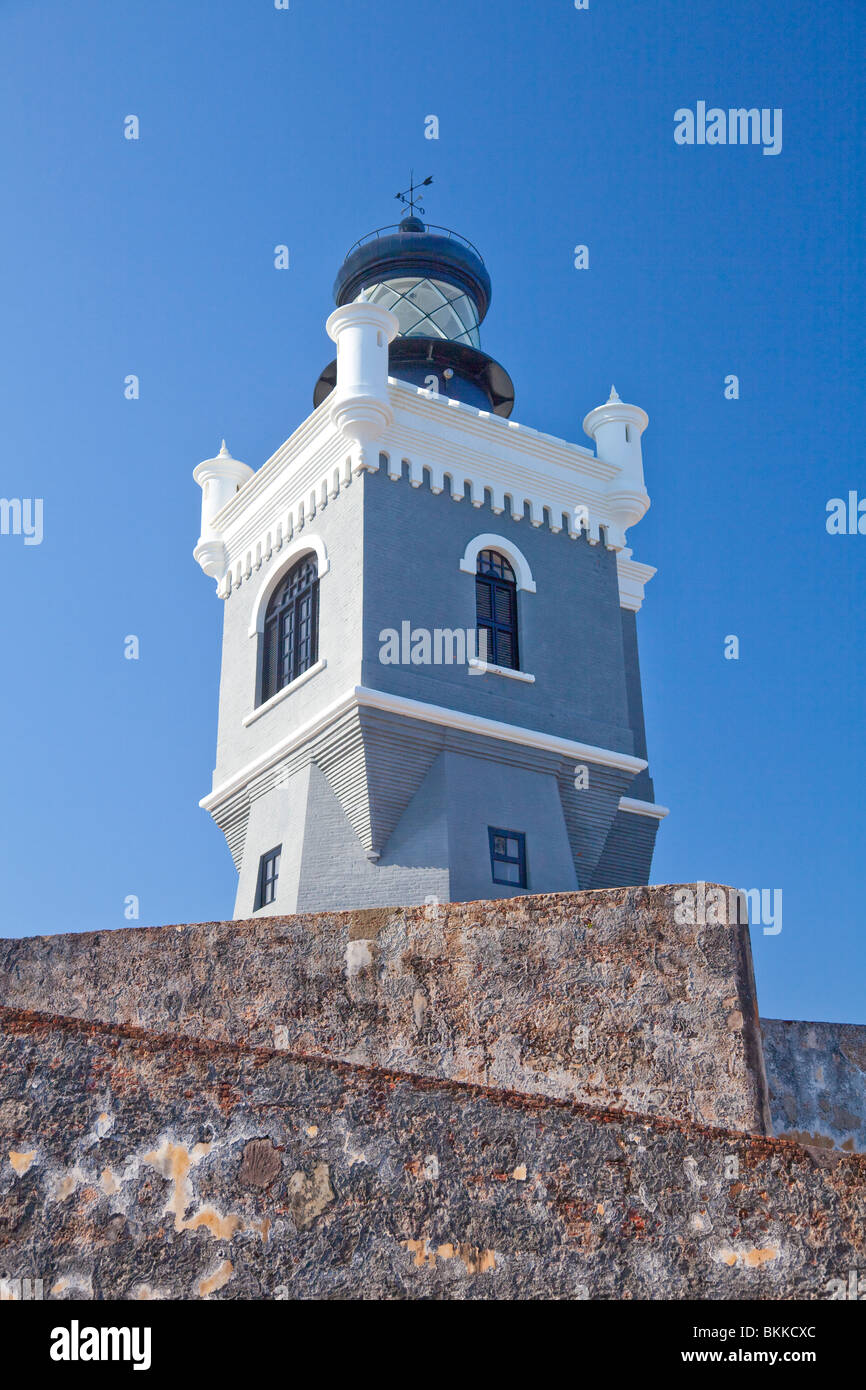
432	279
437	286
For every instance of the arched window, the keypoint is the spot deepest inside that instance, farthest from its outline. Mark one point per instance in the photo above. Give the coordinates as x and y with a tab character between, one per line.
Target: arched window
496	610
291	632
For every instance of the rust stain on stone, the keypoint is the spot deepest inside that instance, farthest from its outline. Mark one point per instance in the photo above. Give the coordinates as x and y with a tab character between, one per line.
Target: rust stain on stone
221	1227
69	1183
422	1252
475	1260
217	1280
811	1141
309	1195
749	1259
365	924
174	1162
753	1258
108	1182
21	1161
77	1283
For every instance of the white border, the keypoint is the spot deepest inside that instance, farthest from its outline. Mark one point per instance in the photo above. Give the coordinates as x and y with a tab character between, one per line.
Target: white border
643	808
361	695
286	690
488	668
488	541
303	544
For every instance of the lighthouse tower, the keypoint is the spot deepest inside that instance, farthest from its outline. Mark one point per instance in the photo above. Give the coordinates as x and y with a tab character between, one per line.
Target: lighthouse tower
430	683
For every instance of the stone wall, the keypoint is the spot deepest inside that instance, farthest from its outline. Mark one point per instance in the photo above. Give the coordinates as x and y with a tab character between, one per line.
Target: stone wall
816	1076
600	996
140	1166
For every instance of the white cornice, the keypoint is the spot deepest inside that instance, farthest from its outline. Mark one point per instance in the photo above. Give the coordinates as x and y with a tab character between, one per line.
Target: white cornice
492	432
281	749
439	438
290	452
363	697
643	808
632	576
494	728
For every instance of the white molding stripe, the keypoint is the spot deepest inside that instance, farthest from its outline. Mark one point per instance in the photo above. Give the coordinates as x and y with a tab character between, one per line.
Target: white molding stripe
494	728
301	545
643	808
436	437
361	696
491	540
286	691
425	404
285	745
489	668
632	577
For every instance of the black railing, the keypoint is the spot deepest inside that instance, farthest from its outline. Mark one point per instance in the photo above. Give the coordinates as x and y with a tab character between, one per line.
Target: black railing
429	227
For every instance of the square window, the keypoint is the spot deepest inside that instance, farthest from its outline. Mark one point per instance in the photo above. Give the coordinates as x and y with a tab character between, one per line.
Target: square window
508	856
269	872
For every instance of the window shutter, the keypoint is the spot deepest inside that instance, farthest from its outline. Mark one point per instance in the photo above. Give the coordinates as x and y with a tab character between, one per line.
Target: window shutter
483	606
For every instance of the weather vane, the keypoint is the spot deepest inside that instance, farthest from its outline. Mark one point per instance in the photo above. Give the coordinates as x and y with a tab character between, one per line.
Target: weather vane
408	196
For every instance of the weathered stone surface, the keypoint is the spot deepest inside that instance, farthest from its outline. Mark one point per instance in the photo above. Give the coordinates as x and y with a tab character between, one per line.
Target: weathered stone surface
599	996
260	1165
816	1076
121	1177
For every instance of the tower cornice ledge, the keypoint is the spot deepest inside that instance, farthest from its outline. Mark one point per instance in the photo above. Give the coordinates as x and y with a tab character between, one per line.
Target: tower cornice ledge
632	576
440	441
361	696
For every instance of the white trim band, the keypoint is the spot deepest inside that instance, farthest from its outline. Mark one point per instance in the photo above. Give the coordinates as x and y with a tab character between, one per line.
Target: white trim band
308	543
494	728
286	690
643	808
487	668
431	714
490	541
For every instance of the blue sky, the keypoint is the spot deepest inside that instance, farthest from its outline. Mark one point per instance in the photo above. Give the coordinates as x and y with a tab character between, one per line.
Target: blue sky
155	257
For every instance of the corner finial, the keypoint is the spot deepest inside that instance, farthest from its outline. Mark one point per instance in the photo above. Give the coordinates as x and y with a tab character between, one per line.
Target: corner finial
362	297
224	451
613	394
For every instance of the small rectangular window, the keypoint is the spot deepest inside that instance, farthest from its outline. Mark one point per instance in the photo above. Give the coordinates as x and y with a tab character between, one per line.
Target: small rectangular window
269	872
508	856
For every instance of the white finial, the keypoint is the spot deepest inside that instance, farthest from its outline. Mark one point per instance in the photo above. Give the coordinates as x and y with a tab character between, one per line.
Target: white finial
362	297
224	452
613	394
